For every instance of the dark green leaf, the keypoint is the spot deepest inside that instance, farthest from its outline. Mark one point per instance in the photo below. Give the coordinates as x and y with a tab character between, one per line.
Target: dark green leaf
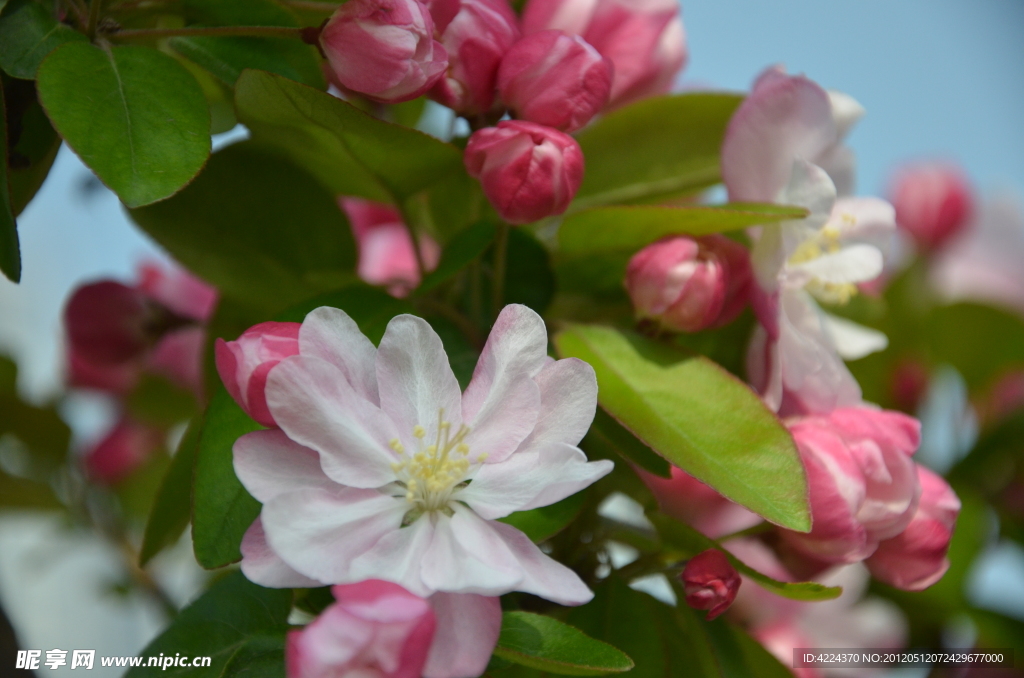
133	114
226	58
611	439
691	542
28	33
32	142
697	416
10	250
460	251
239	13
549	645
235	623
258	228
260	657
529	279
462	354
222	510
545	522
370	307
157	401
660	147
173	503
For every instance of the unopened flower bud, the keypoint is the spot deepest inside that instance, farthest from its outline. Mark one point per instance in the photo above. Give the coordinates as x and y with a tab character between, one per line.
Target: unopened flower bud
106	323
933	203
475	39
555	79
710	582
384	49
528	171
245	363
127	447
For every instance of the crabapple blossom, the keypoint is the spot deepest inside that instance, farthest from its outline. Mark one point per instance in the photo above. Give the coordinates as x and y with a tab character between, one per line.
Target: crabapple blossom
710	582
123	450
243	364
527	171
643	39
369	474
933	203
916	558
384	49
555	79
688	500
476	38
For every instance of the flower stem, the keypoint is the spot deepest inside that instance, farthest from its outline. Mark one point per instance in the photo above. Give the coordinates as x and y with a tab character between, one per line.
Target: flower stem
95	8
211	31
499	268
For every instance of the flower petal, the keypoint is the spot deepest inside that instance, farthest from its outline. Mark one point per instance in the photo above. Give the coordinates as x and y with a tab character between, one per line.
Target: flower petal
330	334
262	566
270	463
568	401
851	264
415	380
543	576
317	407
526	480
467	631
853	341
466	555
502	401
397	557
320	532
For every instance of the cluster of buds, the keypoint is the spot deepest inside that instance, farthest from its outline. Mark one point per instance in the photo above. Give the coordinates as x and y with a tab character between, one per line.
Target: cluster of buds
553	72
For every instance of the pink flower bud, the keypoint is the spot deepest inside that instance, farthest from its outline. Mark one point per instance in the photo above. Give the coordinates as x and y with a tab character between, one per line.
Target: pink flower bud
122	451
916	558
688	500
177	289
528	171
384	49
862	483
555	79
710	582
644	39
245	363
688	284
933	203
375	628
109	323
476	38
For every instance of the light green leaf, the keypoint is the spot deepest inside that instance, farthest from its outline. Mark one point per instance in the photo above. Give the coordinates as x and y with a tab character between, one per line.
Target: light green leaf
133	114
28	33
549	645
234	623
699	417
226	58
657	148
545	522
172	506
258	228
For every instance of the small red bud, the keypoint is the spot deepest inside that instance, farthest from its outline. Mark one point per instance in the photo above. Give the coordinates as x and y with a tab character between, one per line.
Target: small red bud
710	582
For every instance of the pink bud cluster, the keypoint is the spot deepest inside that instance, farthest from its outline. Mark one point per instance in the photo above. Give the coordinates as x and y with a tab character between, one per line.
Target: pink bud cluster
568	61
933	202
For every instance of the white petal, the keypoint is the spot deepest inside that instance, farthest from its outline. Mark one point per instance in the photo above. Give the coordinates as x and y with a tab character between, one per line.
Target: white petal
320	532
269	463
502	400
315	405
467	556
330	334
853	341
398	557
846	111
467	631
568	401
262	566
543	576
866	220
415	380
809	187
851	264
526	480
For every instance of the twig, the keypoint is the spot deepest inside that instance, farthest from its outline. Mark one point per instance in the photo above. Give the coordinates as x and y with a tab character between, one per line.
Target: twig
500	265
95	9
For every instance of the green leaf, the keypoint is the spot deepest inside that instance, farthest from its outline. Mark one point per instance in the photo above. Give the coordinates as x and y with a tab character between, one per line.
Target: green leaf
28	33
258	228
235	623
610	438
462	354
697	416
372	308
542	523
460	251
692	542
660	147
21	493
173	503
32	145
529	279
134	115
10	249
549	645
594	246
227	57
240	13
260	657
222	510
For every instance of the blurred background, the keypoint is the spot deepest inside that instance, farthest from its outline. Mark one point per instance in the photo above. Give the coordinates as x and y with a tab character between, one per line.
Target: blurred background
940	79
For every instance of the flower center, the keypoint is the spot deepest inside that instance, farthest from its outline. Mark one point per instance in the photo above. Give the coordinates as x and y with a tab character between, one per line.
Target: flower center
434	470
826	241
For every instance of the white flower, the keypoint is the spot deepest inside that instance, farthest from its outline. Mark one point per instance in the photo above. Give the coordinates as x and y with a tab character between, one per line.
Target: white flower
383	469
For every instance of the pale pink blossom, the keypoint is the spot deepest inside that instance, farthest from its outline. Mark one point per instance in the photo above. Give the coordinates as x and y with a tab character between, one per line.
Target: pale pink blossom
688	500
710	582
476	39
527	171
243	364
933	203
367	476
555	79
384	49
644	39
127	446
